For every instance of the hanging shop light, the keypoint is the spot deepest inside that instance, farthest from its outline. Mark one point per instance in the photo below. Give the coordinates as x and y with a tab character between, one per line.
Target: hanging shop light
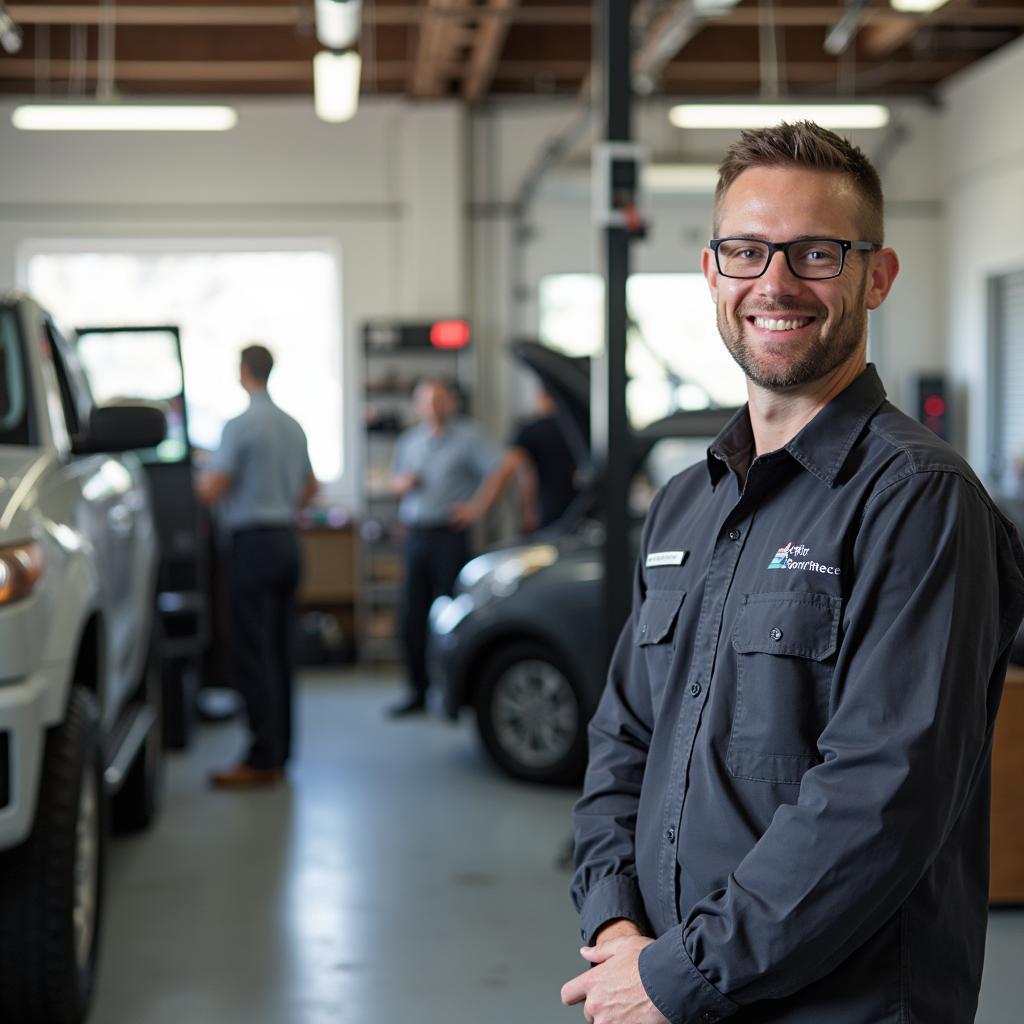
764	115
916	6
122	117
338	22
336	85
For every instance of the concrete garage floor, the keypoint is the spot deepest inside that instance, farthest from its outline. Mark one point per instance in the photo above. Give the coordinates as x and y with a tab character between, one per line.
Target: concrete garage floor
397	877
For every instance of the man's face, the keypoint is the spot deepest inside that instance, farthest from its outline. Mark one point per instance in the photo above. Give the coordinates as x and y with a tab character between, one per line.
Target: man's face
434	403
782	330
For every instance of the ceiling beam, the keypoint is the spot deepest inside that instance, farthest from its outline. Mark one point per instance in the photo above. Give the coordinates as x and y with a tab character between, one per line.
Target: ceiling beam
881	40
669	32
678	74
490	40
411	14
278	14
441	36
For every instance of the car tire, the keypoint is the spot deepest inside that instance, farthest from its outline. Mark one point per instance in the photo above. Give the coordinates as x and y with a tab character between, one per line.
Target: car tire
51	886
137	803
530	715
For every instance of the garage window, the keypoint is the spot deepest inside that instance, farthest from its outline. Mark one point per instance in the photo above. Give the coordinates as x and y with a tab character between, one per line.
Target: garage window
221	301
674	354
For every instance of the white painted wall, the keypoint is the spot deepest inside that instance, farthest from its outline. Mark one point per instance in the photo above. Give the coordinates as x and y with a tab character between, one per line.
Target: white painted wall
385	191
906	334
983	164
416	198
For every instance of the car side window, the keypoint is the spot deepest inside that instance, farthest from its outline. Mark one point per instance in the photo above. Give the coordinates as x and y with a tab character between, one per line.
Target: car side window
15	424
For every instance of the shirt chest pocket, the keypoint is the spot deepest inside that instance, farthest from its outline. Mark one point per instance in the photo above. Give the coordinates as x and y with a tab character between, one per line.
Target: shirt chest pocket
655	637
784	647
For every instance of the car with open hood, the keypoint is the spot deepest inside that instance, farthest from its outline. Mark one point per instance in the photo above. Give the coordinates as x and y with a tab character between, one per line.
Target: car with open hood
519	641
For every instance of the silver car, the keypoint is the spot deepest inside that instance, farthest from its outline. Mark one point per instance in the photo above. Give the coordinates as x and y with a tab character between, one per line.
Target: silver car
79	678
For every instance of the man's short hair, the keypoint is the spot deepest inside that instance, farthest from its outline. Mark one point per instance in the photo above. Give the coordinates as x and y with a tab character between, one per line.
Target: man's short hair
258	361
806	145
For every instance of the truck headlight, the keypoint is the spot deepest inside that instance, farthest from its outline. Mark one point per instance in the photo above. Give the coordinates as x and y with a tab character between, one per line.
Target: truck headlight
21	566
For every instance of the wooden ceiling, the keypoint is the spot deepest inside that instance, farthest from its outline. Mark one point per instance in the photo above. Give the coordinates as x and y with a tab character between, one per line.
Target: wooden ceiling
477	49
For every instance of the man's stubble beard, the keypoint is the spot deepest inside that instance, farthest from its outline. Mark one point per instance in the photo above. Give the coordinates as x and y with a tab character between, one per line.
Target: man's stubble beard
818	360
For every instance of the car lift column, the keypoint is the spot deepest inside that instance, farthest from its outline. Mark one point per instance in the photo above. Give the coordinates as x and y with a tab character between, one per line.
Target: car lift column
609	423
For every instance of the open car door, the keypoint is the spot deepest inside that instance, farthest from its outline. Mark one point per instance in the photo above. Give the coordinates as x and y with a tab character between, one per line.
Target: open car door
125	363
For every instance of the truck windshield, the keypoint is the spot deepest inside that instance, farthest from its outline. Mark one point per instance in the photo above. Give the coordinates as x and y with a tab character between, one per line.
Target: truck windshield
13	392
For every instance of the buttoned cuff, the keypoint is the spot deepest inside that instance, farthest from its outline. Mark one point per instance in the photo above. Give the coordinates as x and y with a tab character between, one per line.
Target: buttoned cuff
676	987
612	897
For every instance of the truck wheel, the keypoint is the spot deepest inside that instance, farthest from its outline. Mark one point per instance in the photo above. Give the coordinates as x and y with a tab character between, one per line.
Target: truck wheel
51	886
530	717
137	803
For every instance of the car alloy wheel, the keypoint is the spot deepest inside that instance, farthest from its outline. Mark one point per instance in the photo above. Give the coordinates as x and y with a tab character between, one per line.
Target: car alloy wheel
530	716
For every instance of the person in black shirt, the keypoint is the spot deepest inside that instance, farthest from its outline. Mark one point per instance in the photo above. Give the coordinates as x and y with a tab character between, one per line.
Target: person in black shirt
539	459
551	465
785	815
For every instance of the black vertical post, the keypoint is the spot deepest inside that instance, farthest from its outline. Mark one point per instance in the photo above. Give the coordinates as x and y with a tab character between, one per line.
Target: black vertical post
609	422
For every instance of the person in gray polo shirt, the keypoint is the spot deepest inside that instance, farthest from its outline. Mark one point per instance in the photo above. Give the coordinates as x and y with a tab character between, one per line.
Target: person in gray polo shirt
259	477
444	473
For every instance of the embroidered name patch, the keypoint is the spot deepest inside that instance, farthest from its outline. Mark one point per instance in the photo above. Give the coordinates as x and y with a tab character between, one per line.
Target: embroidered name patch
656	558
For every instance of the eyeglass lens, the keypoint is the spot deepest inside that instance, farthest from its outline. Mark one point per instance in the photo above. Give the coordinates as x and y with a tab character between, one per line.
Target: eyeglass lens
813	257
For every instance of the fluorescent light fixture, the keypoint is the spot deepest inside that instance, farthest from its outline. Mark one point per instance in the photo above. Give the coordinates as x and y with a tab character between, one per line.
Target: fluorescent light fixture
336	85
916	6
680	178
764	115
337	22
122	117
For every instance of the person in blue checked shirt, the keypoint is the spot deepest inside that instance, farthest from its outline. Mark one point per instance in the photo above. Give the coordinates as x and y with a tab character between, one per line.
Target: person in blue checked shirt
785	815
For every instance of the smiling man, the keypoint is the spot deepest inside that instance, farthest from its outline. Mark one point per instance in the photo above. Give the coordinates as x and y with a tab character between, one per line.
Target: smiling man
785	815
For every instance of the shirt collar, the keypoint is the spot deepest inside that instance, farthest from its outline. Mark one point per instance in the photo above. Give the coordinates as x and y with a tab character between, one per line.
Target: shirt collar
823	445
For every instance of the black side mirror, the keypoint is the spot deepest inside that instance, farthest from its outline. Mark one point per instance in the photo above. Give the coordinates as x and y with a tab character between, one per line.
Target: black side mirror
120	428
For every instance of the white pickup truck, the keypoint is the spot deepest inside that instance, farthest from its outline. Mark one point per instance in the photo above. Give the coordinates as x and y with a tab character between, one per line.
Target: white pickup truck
79	671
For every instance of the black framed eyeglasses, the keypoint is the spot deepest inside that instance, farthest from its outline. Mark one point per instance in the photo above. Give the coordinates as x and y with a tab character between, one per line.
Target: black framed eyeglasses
814	259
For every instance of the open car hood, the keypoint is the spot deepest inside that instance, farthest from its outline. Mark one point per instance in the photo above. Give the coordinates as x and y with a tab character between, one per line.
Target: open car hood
567	380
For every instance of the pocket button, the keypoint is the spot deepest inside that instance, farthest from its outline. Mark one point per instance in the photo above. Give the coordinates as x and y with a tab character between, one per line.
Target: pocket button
776	634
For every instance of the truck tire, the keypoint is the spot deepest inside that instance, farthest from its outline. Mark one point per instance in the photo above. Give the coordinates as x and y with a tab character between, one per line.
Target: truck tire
137	802
529	714
51	886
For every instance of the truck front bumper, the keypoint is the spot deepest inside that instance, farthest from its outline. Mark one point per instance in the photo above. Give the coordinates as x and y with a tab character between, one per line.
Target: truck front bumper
25	713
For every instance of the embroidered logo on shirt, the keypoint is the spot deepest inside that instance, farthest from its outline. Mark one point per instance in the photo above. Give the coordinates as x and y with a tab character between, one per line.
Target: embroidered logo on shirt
656	558
794	556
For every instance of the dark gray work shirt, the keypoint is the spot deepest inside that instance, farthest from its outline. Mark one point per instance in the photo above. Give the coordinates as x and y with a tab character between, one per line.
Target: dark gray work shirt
450	466
264	451
789	771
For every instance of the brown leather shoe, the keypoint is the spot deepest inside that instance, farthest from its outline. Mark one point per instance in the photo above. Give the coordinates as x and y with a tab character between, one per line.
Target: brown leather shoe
244	776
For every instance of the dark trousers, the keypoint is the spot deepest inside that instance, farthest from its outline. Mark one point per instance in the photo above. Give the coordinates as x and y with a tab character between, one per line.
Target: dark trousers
433	558
262	569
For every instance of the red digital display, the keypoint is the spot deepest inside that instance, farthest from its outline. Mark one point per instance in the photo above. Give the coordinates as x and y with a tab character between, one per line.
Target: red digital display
934	406
449	334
